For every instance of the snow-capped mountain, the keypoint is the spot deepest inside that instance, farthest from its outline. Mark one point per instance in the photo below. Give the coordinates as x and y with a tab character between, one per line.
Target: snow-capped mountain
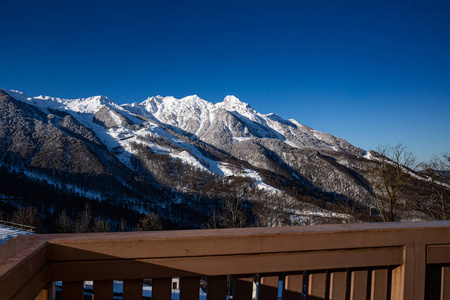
232	121
178	144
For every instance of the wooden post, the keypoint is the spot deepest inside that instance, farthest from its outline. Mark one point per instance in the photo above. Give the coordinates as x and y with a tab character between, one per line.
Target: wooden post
243	288
379	284
190	288
103	289
217	288
317	285
72	290
268	288
132	289
162	289
293	286
338	285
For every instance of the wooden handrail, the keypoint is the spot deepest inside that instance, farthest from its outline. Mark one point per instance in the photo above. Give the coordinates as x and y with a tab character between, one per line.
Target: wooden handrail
379	260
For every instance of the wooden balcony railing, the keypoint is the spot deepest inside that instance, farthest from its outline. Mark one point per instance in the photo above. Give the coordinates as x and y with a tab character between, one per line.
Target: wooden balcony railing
356	261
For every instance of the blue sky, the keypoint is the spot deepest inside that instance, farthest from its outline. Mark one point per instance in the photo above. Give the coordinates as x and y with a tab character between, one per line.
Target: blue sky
371	72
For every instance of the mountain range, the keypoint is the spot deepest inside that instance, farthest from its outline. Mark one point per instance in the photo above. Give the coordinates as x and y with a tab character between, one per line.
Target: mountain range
167	154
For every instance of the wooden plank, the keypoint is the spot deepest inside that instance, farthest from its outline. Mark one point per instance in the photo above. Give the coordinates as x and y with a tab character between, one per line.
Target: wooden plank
438	254
38	284
243	288
445	283
379	284
268	288
162	289
222	265
398	279
414	271
189	288
338	285
193	243
48	293
22	259
72	290
43	295
358	286
293	286
132	289
217	288
103	289
317	285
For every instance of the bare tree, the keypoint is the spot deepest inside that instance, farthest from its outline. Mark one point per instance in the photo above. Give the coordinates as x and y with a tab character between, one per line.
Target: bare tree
230	214
28	216
150	222
272	210
392	178
101	225
82	224
123	225
64	223
434	198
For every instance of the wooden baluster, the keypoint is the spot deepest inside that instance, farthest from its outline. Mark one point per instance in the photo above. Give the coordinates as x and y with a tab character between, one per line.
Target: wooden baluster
317	285
445	283
268	288
358	286
103	289
132	289
162	289
190	288
243	288
379	283
338	285
47	293
43	295
217	288
72	290
293	286
433	281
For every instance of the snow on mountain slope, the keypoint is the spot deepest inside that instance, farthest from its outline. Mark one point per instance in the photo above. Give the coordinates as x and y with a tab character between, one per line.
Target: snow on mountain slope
117	127
232	121
222	125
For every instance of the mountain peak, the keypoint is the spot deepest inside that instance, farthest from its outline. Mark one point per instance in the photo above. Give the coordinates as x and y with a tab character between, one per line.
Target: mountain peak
192	98
195	96
231	99
233	103
102	100
151	99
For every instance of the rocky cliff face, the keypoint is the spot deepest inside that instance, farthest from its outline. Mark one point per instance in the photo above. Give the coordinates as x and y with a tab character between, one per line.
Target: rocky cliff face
181	145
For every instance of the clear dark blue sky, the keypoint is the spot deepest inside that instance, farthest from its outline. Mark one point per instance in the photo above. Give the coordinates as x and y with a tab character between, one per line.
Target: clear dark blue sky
371	72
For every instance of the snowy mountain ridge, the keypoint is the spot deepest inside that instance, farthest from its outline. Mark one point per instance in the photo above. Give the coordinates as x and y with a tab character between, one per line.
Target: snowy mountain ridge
200	118
169	142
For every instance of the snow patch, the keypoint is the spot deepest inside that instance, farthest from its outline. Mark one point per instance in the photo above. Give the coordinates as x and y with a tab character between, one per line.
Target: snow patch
240	139
291	144
229	171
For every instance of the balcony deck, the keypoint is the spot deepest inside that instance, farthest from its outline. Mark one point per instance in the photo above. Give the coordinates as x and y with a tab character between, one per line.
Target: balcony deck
351	261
